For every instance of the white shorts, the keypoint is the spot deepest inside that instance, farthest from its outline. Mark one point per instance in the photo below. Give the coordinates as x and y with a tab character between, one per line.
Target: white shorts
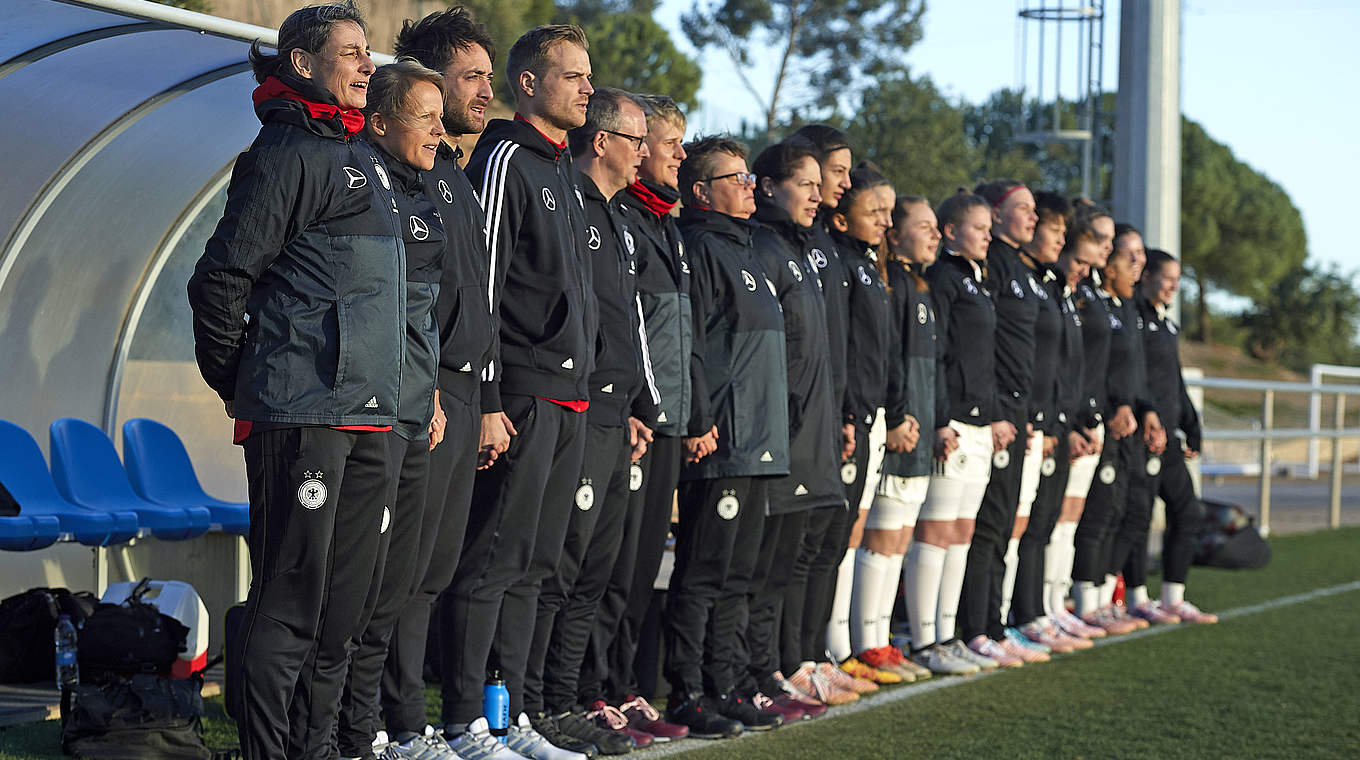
1029	474
1083	471
878	436
957	485
897	502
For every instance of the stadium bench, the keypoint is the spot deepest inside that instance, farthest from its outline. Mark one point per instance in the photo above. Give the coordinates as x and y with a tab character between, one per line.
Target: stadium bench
160	471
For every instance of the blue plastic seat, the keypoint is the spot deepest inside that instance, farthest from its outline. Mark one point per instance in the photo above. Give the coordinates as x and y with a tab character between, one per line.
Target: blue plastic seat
87	471
160	470
24	472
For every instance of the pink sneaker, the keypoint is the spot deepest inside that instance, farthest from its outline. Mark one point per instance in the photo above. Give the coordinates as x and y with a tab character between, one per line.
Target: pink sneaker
1122	612
1049	638
1189	613
1105	618
1074	626
988	648
1153	613
1075	642
1023	652
843	680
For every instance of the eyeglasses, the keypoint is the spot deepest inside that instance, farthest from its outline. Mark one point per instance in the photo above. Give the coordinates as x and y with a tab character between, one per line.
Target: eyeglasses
626	136
744	179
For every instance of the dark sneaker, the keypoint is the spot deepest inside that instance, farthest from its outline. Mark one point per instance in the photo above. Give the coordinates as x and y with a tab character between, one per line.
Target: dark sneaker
702	717
607	741
608	717
546	726
786	710
736	707
643	717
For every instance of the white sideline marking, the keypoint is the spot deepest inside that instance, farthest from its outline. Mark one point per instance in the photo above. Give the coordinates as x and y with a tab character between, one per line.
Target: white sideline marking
898	693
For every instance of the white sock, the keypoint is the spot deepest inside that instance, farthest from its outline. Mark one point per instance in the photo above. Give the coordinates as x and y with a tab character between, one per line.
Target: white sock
886	602
1064	537
951	586
1107	591
1008	580
838	629
1087	597
871	569
1052	556
921	574
1172	593
1136	596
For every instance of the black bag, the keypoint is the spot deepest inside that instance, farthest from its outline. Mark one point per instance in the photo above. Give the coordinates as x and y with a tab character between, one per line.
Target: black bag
27	622
129	638
145	717
1230	539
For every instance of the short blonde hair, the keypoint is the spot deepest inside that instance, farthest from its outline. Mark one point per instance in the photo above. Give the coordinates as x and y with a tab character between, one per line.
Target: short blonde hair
389	89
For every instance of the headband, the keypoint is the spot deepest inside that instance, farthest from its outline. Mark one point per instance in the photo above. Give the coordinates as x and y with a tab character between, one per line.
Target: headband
1007	194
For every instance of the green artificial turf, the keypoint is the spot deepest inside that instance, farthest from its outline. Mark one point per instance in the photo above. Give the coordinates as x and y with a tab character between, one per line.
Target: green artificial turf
1278	683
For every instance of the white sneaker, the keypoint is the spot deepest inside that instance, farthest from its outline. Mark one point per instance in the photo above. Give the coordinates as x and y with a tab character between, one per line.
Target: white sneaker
938	659
430	747
958	649
527	742
477	743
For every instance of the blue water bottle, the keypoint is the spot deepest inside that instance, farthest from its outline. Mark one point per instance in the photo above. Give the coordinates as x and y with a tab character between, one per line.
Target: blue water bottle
64	642
496	705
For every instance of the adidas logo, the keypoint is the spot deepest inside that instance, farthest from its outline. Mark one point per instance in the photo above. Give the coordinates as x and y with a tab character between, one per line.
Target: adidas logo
467	367
372	403
974	412
568	364
607	389
766	457
661	417
801	490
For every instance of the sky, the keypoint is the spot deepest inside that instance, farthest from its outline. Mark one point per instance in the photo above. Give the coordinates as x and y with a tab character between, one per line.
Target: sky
1273	81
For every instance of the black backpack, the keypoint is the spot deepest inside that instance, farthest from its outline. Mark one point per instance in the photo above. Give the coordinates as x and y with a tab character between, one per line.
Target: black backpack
144	717
1230	539
27	622
126	639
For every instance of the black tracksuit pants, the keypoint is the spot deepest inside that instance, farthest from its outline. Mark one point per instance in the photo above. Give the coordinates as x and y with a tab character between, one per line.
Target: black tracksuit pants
570	598
1105	505
358	723
1027	601
829	538
513	542
1184	514
608	672
706	607
453	465
772	591
980	601
317	495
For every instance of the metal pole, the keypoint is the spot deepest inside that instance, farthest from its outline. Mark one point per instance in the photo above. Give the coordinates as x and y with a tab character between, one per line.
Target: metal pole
1267	425
1335	520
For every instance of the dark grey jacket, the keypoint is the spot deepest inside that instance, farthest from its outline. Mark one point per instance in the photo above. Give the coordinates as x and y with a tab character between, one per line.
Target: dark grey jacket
916	383
298	299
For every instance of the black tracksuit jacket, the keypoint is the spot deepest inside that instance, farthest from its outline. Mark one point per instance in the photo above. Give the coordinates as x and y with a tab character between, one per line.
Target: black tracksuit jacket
1095	340
423	235
619	385
783	248
298	300
663	283
1046	286
1128	378
1014	291
1166	386
738	368
827	255
1071	364
869	335
463	311
967	333
541	290
916	383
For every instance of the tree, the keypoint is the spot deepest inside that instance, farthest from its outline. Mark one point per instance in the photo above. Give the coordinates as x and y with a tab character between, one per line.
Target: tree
506	20
1308	316
834	47
996	127
637	53
201	6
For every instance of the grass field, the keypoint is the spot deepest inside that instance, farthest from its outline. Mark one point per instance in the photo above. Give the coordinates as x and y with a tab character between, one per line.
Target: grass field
1282	681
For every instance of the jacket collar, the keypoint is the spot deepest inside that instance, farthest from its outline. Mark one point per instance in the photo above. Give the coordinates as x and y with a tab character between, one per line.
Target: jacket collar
405	177
964	264
728	226
779	220
656	198
288	98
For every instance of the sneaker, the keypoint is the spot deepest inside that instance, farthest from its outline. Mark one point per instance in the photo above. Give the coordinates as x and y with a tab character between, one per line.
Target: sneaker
814	685
1074	626
961	651
994	651
1026	654
865	672
643	717
937	659
1106	619
702	717
1121	612
1189	613
1021	640
843	680
1046	633
381	740
782	705
733	706
791	696
883	659
477	743
419	748
608	717
1153	613
546	727
905	663
608	739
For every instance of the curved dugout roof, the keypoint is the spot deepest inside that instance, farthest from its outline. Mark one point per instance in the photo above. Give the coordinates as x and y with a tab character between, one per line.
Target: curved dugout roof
119	131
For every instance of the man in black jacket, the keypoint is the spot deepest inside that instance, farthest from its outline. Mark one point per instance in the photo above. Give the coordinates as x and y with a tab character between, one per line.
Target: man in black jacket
541	292
606	151
307	357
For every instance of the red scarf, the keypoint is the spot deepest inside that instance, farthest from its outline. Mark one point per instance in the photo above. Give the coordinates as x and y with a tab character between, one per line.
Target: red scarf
273	88
650	199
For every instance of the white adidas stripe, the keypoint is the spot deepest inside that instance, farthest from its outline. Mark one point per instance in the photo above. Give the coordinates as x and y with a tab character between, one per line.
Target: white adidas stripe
646	355
493	202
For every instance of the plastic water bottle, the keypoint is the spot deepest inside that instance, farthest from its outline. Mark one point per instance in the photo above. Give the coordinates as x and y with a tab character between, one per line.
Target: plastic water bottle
64	641
496	706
